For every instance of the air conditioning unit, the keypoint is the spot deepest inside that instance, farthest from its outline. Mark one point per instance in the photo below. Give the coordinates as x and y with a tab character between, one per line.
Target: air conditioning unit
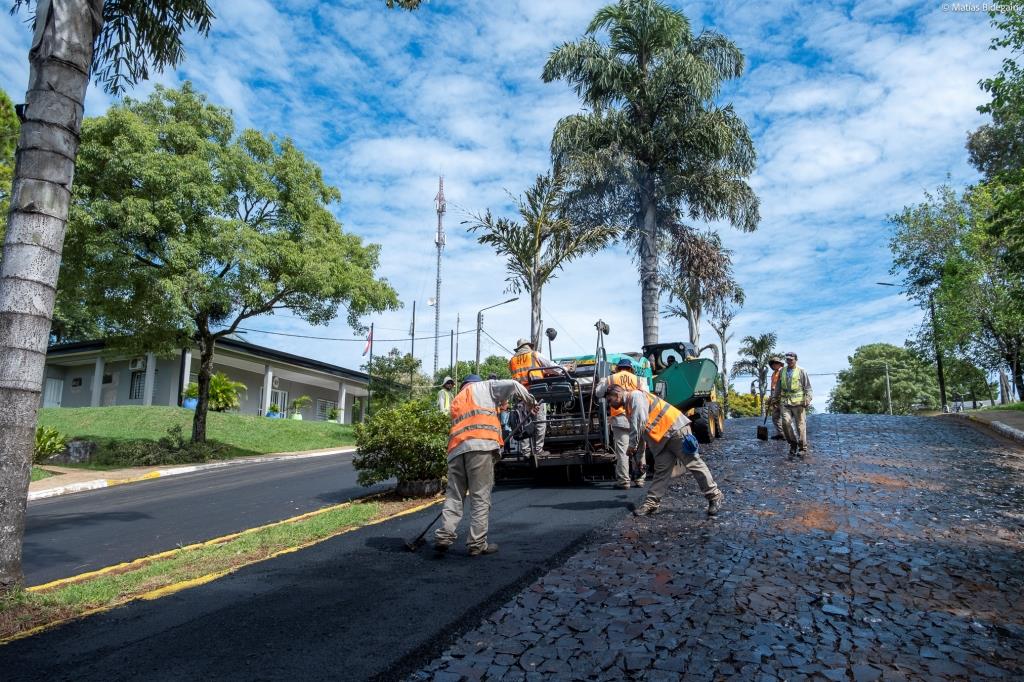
137	364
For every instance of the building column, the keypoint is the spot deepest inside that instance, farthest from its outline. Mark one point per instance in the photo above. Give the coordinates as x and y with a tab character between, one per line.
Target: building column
186	372
362	408
268	386
342	399
97	381
147	387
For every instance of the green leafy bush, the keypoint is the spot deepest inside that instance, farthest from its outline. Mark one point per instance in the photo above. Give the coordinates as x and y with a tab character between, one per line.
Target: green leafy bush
333	414
301	402
174	448
49	442
408	441
744	405
223	392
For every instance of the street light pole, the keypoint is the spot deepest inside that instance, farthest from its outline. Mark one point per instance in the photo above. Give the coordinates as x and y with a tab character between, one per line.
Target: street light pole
888	390
480	324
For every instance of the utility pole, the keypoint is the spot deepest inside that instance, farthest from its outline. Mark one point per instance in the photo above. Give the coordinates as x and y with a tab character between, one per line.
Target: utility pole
888	390
440	205
455	365
480	324
412	348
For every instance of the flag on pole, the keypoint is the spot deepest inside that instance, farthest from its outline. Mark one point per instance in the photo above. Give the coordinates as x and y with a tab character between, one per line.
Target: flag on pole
369	341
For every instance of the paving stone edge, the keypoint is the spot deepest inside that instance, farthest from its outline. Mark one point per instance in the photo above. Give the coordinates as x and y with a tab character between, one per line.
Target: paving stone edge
999	427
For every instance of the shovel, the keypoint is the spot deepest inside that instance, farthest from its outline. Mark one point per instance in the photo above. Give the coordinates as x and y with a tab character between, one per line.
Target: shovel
762	430
413	545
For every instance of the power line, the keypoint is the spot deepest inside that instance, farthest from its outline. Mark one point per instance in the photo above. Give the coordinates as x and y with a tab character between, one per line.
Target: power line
336	338
500	345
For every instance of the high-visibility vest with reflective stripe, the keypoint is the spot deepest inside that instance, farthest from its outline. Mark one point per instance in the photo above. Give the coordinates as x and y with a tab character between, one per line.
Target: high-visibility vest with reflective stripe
793	392
628	381
521	364
472	421
445	400
660	417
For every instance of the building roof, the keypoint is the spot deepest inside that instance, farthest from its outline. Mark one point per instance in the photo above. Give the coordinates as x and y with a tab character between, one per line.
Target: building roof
235	345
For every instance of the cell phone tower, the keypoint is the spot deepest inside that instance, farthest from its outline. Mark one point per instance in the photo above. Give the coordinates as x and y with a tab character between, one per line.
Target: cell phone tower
439	203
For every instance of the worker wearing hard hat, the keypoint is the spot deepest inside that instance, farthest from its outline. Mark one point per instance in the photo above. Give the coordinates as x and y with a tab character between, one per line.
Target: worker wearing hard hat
446	395
625	378
525	361
776	363
474	446
666	433
794	395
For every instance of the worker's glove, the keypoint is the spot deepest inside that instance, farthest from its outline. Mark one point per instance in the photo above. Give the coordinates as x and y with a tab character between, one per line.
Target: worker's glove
630	452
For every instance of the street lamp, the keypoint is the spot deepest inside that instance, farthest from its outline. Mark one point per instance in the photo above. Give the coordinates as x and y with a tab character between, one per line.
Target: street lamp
480	323
935	341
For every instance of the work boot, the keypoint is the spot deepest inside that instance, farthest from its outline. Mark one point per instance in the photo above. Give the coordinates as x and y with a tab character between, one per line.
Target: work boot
647	508
441	547
622	485
489	548
802	450
792	450
715	503
778	436
638	483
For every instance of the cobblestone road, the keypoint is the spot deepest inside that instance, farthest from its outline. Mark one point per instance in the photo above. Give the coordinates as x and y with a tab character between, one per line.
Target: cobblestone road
894	552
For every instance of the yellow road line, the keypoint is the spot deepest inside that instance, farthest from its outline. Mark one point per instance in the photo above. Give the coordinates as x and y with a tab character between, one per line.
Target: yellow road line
210	577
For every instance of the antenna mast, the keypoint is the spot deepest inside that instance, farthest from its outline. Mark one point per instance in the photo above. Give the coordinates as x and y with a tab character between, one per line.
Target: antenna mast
440	205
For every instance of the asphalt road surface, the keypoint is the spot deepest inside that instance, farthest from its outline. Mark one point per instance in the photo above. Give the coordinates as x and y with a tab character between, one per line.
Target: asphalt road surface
358	606
72	534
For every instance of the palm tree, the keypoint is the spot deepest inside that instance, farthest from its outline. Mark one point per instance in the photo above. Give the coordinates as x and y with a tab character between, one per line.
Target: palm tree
754	354
117	42
721	323
653	142
698	277
545	240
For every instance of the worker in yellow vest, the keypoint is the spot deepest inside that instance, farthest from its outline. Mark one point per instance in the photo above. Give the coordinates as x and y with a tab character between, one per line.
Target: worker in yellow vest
525	360
474	446
619	424
665	431
794	395
446	395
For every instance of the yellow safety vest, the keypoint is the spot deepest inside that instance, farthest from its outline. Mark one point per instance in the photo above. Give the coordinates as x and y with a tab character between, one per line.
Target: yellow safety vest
793	390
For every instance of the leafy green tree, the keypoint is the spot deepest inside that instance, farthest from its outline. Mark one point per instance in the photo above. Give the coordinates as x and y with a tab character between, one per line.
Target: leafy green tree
9	127
755	351
492	364
861	388
116	42
389	379
653	144
181	230
539	246
224	392
744	404
968	380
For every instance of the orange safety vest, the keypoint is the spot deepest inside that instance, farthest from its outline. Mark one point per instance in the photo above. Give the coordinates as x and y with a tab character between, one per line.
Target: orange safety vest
775	378
471	421
628	381
521	364
660	417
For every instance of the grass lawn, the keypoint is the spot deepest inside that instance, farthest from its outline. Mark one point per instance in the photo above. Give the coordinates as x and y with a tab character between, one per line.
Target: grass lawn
1012	406
39	474
163	574
243	434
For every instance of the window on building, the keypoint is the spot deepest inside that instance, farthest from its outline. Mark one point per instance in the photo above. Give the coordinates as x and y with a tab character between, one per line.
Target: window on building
323	409
137	386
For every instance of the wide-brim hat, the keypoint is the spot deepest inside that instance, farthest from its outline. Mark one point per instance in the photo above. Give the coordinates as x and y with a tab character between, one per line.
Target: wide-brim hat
524	342
776	358
448	380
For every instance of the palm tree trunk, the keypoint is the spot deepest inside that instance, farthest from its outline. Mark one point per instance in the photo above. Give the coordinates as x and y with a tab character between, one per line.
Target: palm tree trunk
203	384
650	290
693	325
535	321
59	61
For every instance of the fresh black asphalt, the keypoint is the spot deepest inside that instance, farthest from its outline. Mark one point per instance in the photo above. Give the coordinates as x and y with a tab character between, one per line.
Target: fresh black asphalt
72	534
358	606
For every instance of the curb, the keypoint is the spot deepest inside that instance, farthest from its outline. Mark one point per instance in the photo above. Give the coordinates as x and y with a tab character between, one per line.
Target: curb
1002	429
98	483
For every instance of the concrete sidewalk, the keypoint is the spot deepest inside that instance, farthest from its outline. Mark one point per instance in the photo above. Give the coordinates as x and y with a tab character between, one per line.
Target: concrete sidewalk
75	480
1008	423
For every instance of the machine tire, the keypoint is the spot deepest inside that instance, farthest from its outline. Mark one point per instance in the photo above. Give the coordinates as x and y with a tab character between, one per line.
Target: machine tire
702	429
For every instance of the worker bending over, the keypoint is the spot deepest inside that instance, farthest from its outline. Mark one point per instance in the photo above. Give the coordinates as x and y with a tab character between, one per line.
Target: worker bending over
666	432
474	446
625	378
520	365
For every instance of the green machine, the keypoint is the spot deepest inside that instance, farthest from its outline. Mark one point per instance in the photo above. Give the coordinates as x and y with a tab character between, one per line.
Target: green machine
687	382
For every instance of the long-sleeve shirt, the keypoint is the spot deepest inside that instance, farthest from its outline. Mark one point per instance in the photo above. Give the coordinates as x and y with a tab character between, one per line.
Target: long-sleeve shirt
444	400
637	407
784	377
488	395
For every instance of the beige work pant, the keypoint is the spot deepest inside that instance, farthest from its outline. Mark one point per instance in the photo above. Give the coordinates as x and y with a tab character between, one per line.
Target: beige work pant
664	462
541	425
471	475
620	444
794	424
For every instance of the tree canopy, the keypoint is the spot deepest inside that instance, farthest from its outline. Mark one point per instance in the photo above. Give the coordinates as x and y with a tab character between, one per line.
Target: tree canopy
9	127
861	388
492	364
395	377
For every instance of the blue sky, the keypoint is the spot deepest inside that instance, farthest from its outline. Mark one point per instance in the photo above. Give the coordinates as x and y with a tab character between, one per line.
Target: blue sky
856	109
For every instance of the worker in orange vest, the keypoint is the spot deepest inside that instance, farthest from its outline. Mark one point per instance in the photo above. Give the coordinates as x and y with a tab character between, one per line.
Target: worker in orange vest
776	363
525	361
625	378
474	446
666	433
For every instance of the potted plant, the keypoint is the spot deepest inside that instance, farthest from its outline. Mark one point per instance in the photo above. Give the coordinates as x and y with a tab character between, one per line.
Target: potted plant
273	411
299	403
333	414
409	442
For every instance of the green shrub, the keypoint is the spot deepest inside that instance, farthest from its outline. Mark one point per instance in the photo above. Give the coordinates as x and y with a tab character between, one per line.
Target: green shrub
333	414
49	442
408	441
301	402
223	392
173	448
744	405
